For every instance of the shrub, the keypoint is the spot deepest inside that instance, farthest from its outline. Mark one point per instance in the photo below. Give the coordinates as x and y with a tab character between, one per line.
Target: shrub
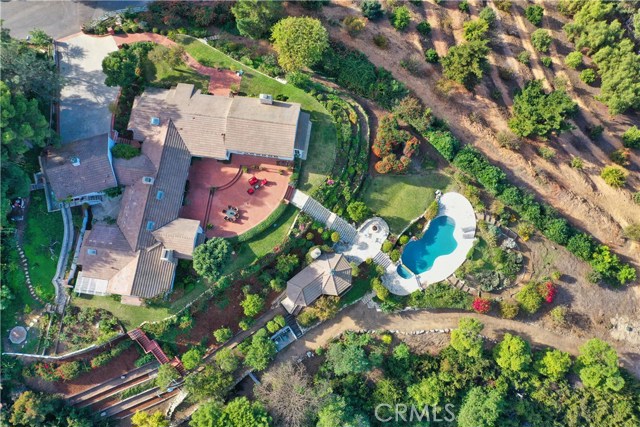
69	370
632	231
400	18
588	76
432	210
525	230
354	25
335	237
488	15
394	255
275	324
476	29
381	41
614	176
404	239
547	291
541	40
143	360
481	305
358	211
191	358
573	60
463	6
124	151
558	315
546	153
577	163
371	9
431	56
534	14
546	61
529	298
381	291
386	246
307	317
445	143
440	295
620	156
509	140
509	310
252	304
636	197
503	5
223	334
631	137
524	57
245	323
424	29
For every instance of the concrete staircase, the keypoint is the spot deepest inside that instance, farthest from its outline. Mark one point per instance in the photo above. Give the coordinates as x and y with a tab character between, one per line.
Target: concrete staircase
316	211
151	346
382	260
290	321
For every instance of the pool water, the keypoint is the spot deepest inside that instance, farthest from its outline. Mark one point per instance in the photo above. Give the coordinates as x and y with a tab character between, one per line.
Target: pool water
404	272
438	240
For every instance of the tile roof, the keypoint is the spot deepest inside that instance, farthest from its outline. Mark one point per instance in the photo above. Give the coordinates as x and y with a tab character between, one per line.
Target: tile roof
93	174
179	235
104	252
154	275
132	170
329	274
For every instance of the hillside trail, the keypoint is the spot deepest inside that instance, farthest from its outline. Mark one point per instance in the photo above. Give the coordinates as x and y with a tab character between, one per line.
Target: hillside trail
359	317
476	119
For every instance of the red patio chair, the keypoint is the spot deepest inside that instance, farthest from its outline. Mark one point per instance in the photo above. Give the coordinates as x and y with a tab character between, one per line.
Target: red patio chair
251	191
253	180
264	182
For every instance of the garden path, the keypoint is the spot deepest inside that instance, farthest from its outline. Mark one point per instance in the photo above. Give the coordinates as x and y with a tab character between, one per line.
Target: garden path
220	81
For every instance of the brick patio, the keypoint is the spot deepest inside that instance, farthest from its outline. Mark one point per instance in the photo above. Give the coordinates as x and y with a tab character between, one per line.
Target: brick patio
207	173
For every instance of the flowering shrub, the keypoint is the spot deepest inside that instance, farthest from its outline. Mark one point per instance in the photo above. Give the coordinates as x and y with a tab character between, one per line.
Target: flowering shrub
548	291
46	371
481	305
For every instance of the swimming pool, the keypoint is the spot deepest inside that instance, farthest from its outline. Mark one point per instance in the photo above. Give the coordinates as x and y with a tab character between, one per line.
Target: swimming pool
419	255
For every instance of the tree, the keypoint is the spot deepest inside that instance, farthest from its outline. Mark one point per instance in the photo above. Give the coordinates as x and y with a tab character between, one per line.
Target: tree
573	60
381	291
588	76
536	113
424	28
554	364
39	38
254	18
191	358
31	409
476	29
534	14
286	264
358	211
260	352
123	66
619	69
210	383
466	339
371	9
597	366
347	358
488	15
465	63
166	375
428	392
240	412
512	353
541	40
481	408
210	257
144	419
288	394
400	18
431	56
252	304
631	137
207	415
299	41
223	334
227	360
614	176
336	412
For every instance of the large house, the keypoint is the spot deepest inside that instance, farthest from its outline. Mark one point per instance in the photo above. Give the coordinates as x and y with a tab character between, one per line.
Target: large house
136	256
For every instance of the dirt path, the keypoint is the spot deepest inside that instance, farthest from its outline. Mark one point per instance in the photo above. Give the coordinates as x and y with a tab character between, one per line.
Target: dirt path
359	317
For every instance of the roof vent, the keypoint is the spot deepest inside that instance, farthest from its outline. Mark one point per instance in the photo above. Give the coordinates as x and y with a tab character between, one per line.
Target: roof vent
155	121
75	161
149	180
92	252
266	99
167	255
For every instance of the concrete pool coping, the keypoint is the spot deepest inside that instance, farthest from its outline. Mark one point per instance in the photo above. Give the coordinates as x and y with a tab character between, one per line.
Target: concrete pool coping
458	208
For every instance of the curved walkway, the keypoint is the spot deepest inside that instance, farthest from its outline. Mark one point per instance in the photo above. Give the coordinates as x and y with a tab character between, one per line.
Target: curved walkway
359	317
220	81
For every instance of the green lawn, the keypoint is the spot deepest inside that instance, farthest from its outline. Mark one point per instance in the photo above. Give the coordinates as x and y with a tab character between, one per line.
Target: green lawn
130	316
160	74
42	241
263	243
360	286
322	149
401	198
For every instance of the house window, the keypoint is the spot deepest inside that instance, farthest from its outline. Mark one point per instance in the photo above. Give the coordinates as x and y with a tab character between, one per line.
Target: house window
159	194
150	225
92	252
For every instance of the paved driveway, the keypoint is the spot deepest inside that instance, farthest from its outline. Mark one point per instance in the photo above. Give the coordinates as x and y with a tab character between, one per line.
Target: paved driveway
84	106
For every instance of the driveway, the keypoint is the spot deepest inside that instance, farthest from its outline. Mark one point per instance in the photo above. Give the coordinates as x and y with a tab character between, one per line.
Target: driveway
84	105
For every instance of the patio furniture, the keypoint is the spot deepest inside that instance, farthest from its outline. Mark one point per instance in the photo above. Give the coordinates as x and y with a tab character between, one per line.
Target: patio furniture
251	190
224	211
253	180
264	182
226	218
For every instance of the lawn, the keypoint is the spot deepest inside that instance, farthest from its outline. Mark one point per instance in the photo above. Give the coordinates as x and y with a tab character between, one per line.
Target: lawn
160	74
360	286
401	198
42	240
130	316
322	146
263	243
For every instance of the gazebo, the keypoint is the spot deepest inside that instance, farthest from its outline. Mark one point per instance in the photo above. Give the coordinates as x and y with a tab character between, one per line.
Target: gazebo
18	335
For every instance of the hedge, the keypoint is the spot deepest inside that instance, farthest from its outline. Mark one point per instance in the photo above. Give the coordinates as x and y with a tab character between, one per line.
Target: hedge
445	143
271	219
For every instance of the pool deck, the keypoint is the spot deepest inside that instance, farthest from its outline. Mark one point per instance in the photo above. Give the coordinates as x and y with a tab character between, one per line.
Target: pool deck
457	207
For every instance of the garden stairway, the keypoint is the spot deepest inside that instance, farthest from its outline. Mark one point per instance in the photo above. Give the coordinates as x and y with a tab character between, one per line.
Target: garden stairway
382	260
151	346
315	210
290	321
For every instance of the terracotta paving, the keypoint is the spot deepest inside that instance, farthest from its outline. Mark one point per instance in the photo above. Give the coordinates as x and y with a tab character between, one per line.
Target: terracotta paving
219	80
207	173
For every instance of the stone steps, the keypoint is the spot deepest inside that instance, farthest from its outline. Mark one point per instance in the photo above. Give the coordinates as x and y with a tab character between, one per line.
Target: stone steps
382	260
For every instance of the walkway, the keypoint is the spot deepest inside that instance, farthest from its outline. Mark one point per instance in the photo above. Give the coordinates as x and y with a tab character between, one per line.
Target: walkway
67	242
359	317
220	81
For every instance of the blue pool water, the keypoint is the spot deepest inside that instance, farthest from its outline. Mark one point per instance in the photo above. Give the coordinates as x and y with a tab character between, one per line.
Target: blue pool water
438	240
404	272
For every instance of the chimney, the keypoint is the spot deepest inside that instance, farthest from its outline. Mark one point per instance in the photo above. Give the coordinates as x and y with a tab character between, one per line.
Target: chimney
266	99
